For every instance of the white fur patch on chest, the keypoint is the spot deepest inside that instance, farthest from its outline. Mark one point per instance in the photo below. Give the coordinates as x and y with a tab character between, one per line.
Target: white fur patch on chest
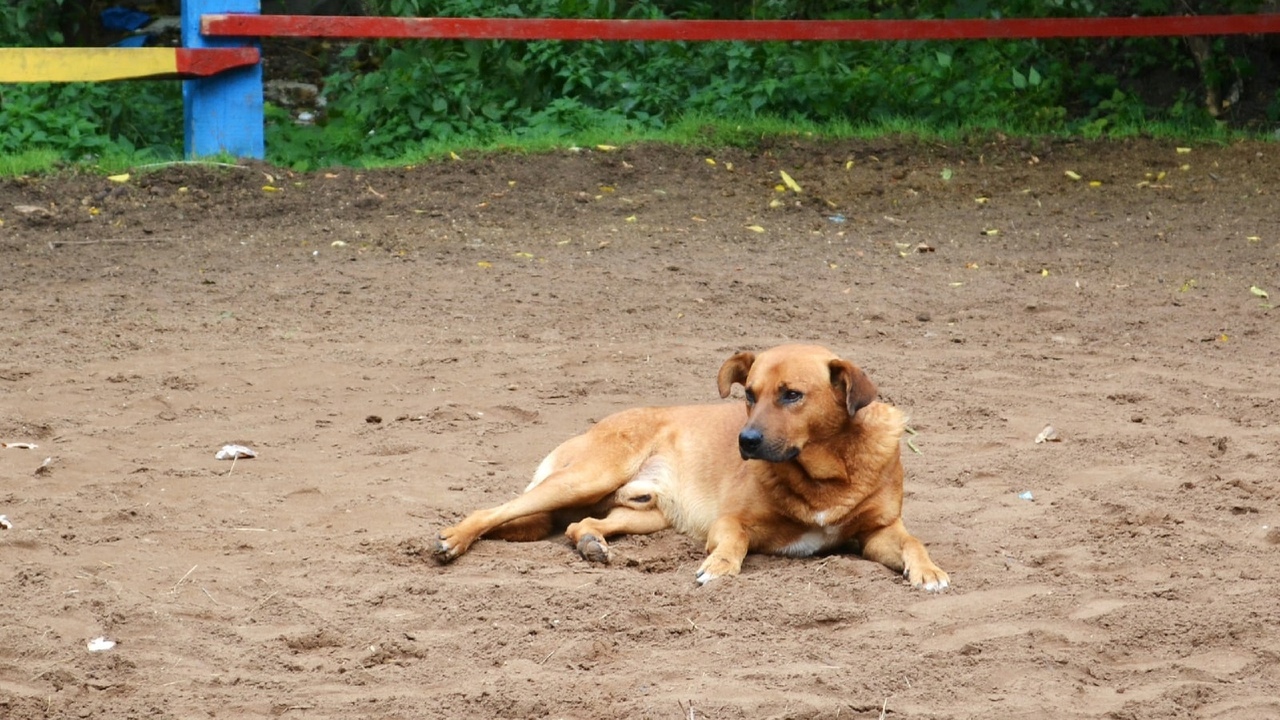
812	541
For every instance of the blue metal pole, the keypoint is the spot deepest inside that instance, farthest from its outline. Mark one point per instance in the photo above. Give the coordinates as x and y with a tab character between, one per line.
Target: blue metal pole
222	113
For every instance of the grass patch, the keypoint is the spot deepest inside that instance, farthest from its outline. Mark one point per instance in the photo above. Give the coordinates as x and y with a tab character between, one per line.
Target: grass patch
712	133
690	131
30	162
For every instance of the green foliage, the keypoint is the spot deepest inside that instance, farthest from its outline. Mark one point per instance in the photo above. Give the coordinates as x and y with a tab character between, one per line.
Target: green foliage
390	97
31	23
92	119
28	162
394	99
80	120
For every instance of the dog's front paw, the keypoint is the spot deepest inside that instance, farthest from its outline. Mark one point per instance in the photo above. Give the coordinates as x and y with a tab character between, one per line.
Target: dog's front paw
448	546
714	567
927	576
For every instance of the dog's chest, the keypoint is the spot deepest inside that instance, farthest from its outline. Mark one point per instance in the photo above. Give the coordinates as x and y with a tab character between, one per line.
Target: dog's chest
812	541
817	537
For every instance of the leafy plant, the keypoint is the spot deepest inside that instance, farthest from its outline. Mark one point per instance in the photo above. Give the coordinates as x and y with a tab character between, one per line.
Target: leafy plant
31	23
79	119
394	99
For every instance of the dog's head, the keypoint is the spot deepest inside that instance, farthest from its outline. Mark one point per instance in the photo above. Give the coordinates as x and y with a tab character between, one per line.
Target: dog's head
796	394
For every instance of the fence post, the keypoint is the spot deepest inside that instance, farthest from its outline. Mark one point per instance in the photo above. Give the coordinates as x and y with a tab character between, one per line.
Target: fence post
222	113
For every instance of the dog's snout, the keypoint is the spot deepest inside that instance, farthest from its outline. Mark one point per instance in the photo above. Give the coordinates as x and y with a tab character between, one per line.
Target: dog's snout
749	442
752	445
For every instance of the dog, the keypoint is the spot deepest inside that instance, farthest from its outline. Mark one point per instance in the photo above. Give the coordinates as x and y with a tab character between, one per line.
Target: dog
811	463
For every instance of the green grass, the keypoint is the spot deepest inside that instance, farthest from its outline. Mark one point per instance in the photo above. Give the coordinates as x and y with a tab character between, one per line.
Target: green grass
30	162
695	131
44	161
691	131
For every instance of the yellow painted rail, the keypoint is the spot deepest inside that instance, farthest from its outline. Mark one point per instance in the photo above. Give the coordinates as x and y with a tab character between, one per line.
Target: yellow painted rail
22	65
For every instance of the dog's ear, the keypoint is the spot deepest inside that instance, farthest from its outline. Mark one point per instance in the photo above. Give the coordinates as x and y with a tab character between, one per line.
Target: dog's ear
734	370
849	381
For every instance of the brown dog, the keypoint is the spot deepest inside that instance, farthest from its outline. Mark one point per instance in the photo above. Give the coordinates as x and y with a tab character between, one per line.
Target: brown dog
812	465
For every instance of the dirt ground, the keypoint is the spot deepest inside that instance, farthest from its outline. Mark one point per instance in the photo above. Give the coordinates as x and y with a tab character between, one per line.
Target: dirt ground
403	346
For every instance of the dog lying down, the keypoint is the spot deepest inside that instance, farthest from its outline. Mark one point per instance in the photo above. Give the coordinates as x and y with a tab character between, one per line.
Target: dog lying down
810	464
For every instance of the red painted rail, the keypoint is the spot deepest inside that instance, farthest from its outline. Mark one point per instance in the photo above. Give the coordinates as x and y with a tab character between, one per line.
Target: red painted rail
694	30
211	61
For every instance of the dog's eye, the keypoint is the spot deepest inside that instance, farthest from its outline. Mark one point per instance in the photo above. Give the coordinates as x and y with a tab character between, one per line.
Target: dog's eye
792	396
751	397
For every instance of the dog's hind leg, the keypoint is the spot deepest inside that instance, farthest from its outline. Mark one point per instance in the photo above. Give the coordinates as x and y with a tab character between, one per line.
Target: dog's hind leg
581	472
525	529
589	535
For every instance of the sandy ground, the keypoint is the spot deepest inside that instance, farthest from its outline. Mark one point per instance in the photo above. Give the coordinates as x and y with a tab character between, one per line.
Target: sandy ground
402	347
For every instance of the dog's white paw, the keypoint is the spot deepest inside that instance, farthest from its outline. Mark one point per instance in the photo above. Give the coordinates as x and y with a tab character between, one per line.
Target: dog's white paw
447	548
716	567
935	586
930	579
443	550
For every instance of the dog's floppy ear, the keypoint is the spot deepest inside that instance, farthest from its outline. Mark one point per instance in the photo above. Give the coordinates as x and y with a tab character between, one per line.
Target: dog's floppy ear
734	370
848	380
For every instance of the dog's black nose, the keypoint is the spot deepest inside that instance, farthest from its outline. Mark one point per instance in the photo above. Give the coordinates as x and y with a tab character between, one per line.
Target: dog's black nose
749	442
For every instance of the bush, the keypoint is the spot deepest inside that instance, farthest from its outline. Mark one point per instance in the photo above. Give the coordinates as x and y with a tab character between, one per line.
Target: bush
386	98
389	96
86	120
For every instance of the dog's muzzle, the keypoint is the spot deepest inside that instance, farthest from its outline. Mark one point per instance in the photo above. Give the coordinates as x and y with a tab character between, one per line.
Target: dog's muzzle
752	446
749	442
